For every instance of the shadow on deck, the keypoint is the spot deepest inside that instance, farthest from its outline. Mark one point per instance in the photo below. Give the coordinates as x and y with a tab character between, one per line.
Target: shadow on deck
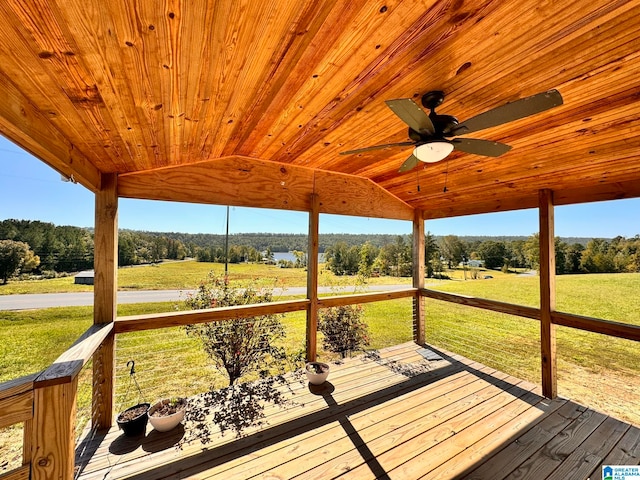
403	413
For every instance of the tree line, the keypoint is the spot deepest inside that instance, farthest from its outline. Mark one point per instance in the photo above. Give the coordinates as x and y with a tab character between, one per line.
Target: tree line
143	247
619	254
57	248
46	249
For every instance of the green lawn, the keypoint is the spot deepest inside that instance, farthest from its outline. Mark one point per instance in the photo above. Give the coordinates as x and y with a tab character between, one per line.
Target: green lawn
610	296
188	274
31	340
600	371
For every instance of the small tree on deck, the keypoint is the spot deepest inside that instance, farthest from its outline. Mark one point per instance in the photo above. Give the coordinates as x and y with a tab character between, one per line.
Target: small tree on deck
240	345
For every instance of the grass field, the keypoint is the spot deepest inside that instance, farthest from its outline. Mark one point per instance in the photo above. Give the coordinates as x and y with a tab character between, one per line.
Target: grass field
31	340
187	275
600	371
607	296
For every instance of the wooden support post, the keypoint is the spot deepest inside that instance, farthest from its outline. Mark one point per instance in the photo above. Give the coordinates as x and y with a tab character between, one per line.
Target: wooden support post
547	295
27	441
53	442
312	278
418	277
104	303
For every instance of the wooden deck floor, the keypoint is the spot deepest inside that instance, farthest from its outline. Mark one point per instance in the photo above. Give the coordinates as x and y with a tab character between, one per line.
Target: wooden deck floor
398	416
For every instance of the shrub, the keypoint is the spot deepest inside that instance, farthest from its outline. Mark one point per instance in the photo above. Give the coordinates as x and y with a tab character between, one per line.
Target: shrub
344	330
240	345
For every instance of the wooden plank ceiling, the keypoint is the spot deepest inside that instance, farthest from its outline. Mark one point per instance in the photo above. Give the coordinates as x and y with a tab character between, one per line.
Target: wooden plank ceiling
250	103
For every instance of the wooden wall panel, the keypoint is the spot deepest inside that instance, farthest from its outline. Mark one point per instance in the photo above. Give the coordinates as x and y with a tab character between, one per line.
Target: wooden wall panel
236	181
15	409
350	195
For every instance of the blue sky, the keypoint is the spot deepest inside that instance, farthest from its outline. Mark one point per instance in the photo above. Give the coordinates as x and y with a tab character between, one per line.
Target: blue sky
31	190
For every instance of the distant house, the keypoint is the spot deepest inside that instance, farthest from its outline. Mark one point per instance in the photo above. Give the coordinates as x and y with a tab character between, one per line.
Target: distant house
475	263
84	278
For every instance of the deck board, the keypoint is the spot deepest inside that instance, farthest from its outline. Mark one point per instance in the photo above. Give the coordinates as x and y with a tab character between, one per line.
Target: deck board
397	415
373	417
625	452
407	454
579	463
480	443
552	455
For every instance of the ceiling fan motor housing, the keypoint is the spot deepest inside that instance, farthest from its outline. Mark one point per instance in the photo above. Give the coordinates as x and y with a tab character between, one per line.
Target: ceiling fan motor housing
443	123
433	99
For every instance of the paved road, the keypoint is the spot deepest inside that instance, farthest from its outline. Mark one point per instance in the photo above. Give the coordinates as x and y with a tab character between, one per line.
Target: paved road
46	300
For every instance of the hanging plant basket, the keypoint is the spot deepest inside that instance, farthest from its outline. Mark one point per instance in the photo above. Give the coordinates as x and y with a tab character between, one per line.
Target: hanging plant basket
133	420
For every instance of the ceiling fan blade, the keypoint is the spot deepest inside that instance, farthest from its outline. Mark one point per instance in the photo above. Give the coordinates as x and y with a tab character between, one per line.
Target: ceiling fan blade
411	114
409	164
377	147
480	147
509	112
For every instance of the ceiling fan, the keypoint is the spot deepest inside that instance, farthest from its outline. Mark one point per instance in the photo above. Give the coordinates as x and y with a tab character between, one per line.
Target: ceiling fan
432	135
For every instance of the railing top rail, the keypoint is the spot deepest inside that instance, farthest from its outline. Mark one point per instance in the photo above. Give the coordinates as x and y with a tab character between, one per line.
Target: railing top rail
17	386
597	325
69	364
136	323
580	322
494	305
339	300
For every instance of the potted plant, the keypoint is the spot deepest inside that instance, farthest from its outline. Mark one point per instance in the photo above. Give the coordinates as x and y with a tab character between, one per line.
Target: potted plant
133	420
317	372
166	414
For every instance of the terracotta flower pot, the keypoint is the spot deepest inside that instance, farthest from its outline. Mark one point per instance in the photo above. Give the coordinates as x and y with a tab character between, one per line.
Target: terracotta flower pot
317	372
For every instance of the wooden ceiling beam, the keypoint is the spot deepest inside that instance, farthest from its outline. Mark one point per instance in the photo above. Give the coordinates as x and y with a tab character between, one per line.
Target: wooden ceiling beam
248	182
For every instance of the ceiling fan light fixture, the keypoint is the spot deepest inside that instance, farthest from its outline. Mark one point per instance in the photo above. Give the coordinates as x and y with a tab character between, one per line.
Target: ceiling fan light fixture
433	151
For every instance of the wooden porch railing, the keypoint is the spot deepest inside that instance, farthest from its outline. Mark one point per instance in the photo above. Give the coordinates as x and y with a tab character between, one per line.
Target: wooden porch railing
579	322
16	406
46	402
